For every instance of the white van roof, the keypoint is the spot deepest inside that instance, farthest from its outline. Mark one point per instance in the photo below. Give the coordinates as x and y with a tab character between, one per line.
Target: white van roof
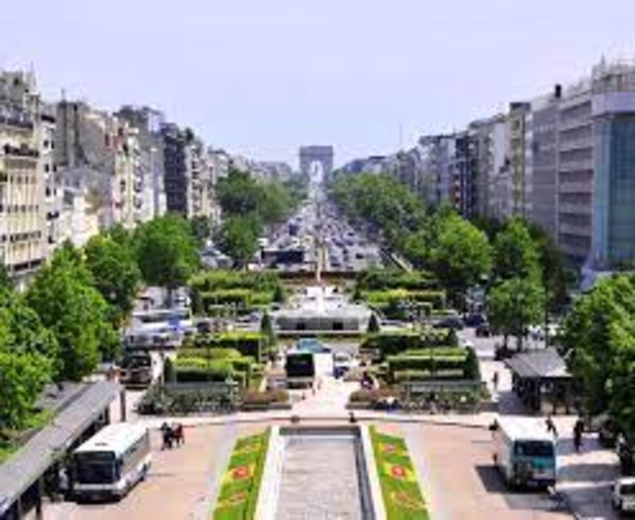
116	437
524	428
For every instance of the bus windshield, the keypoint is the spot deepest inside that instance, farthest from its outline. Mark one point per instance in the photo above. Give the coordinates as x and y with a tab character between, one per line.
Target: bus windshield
95	468
533	449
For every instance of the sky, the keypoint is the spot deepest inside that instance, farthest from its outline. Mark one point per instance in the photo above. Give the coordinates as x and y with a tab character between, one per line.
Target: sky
264	77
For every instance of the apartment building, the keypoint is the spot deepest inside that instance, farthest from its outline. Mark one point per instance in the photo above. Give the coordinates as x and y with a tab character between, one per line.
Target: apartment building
176	171
464	167
436	152
518	145
149	177
52	193
23	233
544	161
105	149
575	171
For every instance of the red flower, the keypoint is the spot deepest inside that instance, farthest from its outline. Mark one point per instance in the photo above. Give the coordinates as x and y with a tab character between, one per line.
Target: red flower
398	471
241	472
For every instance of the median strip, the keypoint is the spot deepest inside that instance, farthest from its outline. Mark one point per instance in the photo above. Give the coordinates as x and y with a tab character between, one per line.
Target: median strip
400	489
242	480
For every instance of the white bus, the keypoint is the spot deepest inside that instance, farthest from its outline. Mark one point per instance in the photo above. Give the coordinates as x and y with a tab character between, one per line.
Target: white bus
110	463
524	452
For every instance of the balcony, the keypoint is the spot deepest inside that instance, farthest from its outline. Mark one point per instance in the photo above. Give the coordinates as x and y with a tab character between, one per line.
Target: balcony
575	144
575	209
23	123
21	151
580	230
576	166
576	187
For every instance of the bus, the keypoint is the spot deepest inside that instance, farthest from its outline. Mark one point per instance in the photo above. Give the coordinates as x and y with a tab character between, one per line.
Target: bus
137	369
524	452
177	317
111	463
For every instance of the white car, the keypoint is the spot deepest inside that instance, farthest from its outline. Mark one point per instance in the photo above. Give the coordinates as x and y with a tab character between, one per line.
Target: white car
624	494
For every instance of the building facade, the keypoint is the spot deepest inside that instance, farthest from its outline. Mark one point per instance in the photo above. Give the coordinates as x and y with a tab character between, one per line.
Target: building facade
613	111
23	230
544	160
575	172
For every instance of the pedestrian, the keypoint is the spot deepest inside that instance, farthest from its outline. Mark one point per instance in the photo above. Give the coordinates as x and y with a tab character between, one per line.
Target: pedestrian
551	426
495	381
166	433
578	429
179	434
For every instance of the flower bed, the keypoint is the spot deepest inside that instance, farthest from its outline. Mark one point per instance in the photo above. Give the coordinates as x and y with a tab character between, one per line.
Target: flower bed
399	485
241	483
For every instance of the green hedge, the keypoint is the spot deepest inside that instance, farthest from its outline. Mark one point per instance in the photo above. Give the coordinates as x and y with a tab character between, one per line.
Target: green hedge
381	279
395	297
225	279
430	363
197	369
247	343
390	344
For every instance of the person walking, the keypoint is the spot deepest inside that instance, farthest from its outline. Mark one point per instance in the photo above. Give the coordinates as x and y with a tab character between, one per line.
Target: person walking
578	429
166	433
179	434
495	381
551	426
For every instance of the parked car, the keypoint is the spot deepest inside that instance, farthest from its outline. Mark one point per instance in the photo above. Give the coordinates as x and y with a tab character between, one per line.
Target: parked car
474	320
623	499
483	330
453	322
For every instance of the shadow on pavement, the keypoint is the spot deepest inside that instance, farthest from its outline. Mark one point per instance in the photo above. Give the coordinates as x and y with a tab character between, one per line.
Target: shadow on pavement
529	500
588	472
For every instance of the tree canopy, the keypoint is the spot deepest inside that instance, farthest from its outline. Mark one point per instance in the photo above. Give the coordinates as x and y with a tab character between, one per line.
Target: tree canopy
115	273
74	311
598	336
166	252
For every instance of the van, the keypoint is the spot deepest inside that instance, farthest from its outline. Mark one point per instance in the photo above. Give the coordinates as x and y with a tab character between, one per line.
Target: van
623	498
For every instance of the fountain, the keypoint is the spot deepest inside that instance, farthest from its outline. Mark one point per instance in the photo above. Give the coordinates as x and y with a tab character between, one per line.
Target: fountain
320	472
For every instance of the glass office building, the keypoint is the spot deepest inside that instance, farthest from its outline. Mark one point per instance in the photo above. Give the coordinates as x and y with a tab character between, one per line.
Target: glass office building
614	180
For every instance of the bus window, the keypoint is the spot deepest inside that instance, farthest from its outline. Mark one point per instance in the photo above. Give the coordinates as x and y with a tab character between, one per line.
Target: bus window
95	468
533	449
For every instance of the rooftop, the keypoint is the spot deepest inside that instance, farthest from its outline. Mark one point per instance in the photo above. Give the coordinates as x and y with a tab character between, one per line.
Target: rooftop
25	466
539	364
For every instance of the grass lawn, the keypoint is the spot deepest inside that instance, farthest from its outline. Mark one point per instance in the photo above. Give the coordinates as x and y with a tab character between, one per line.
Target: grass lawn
399	485
241	483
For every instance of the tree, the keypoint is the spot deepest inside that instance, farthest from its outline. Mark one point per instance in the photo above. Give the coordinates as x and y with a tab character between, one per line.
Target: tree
74	311
5	279
598	336
279	294
22	377
461	256
515	254
557	278
166	252
373	324
201	229
239	238
266	329
28	359
515	304
115	274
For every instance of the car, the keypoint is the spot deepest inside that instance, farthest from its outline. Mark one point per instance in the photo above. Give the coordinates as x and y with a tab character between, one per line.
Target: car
623	499
453	322
474	320
483	330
